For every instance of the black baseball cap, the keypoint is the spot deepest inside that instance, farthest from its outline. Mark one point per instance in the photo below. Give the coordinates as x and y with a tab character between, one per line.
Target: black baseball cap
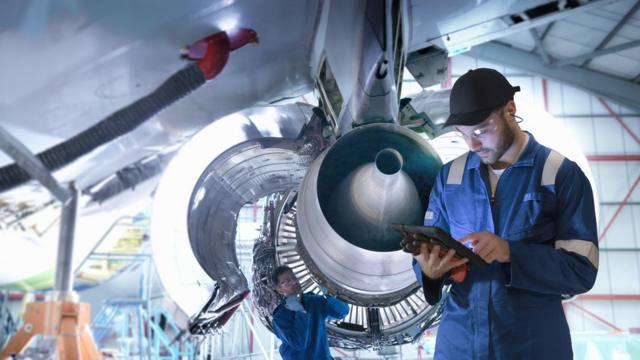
476	94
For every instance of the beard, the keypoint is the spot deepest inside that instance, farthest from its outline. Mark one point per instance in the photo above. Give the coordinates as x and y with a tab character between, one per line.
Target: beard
506	138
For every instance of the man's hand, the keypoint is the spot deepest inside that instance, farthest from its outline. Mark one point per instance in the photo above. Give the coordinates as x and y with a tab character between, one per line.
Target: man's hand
432	264
293	302
489	246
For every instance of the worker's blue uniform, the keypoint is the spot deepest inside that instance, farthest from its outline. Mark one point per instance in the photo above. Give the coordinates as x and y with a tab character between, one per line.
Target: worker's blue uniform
304	334
544	207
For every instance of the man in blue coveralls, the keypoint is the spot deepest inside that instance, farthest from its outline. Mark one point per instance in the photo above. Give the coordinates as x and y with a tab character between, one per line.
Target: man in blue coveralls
523	208
299	320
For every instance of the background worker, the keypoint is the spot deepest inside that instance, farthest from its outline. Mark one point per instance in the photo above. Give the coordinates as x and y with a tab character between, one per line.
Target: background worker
299	320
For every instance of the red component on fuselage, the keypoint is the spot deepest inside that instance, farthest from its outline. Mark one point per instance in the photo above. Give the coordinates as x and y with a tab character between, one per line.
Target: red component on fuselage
217	49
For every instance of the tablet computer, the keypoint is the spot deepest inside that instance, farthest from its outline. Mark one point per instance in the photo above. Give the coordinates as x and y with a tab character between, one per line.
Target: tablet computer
437	236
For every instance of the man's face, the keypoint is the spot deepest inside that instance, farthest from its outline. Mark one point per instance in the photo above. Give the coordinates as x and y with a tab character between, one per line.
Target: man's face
490	139
288	284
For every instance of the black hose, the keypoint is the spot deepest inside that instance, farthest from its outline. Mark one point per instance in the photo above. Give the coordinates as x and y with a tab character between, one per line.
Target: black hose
115	125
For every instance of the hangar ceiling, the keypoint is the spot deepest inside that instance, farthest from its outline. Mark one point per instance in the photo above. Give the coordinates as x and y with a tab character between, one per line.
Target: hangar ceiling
597	49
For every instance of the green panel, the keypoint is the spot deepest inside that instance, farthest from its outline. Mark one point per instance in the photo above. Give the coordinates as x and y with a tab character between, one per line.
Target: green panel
40	281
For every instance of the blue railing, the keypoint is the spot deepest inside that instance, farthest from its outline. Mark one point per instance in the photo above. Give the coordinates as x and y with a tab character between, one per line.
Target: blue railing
8	325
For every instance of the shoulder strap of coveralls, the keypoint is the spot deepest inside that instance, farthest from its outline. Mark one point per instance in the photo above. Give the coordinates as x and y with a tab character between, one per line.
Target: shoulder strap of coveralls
457	170
551	167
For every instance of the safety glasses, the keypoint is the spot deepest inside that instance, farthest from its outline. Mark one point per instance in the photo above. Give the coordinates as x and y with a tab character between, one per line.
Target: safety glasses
487	127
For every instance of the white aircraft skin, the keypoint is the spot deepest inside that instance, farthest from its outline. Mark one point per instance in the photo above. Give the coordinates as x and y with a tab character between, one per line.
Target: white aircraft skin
67	65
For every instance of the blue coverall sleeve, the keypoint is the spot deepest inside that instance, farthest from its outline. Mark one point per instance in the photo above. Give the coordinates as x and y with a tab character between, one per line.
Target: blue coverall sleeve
293	331
435	216
334	308
571	264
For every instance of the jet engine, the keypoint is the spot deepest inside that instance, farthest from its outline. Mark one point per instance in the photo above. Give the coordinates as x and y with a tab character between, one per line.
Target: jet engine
373	176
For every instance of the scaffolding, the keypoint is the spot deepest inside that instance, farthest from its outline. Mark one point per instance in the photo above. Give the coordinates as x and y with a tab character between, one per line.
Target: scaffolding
8	324
134	328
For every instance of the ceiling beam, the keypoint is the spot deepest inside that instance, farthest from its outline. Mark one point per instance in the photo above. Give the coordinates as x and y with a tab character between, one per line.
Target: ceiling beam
543	53
621	91
615	30
546	31
594	54
478	34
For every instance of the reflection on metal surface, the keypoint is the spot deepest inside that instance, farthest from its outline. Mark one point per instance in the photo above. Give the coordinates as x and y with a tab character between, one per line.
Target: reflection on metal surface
264	262
236	160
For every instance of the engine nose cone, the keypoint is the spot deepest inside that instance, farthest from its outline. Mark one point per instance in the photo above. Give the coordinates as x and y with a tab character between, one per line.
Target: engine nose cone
388	161
371	198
